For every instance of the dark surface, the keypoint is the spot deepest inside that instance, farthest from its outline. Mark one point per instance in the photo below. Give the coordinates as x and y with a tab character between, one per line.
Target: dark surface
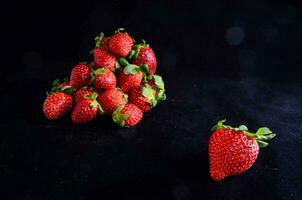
219	59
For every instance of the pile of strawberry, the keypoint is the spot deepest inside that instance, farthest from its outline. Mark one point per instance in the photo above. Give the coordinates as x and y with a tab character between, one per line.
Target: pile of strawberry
120	82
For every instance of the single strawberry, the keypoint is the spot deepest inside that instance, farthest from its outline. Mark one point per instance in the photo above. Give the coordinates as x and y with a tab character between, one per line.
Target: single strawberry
232	151
80	76
103	79
102	42
142	54
127	115
82	94
156	82
102	58
120	44
86	110
143	97
111	99
130	76
56	105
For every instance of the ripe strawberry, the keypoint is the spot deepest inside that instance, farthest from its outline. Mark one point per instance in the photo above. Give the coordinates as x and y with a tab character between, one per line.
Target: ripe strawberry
142	54
102	42
232	151
120	44
127	115
82	94
131	76
56	105
103	79
102	58
86	110
156	82
80	76
143	97
111	99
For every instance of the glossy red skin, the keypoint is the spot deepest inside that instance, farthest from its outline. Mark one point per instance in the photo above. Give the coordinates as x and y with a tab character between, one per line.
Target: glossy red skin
134	114
56	105
105	81
104	44
136	97
83	112
120	44
102	58
80	76
146	56
128	81
81	94
230	153
111	99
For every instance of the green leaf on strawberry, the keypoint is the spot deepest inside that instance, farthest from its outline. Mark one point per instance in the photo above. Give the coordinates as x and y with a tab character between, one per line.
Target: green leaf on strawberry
118	117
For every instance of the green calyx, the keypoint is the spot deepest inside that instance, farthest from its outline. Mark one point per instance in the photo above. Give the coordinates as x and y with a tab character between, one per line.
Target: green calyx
262	135
136	49
149	93
160	86
98	40
94	103
56	87
134	69
95	73
118	117
123	61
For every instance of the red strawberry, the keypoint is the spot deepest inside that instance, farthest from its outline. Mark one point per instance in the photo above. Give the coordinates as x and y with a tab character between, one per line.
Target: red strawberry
127	115
56	105
86	110
232	151
102	58
143	97
82	94
156	82
131	76
80	76
111	99
104	79
102	42
120	44
142	54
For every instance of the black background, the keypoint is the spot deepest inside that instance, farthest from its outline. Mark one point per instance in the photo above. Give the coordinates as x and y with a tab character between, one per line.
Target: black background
239	60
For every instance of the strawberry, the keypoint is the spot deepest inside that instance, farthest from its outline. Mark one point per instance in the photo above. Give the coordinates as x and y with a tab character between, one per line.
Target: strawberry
156	82
142	54
143	97
102	42
102	58
82	93
111	99
86	110
80	76
120	44
103	79
127	115
56	105
232	151
131	76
